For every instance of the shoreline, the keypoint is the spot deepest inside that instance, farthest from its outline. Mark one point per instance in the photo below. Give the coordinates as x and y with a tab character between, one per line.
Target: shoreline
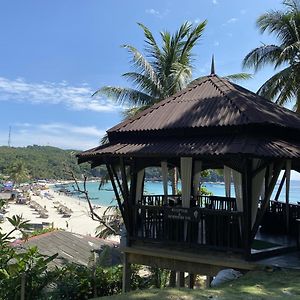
79	220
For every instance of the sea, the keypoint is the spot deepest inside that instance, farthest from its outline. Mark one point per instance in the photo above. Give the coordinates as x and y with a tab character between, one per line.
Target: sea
105	195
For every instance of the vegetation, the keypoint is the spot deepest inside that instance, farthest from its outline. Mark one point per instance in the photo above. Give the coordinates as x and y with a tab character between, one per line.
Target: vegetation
18	172
24	270
280	284
41	162
27	272
284	85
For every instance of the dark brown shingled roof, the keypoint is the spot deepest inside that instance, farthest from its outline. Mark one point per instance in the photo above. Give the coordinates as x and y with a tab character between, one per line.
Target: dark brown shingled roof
210	117
219	145
211	101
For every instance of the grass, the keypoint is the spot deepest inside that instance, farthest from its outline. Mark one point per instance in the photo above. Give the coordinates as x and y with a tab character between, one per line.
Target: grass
278	284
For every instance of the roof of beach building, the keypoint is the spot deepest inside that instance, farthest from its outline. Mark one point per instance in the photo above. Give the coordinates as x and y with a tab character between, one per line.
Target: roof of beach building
212	116
71	247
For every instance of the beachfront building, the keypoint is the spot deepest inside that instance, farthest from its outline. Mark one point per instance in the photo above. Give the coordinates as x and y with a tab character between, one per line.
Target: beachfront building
211	124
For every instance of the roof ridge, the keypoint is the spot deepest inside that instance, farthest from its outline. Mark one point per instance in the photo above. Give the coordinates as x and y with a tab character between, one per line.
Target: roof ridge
159	104
229	86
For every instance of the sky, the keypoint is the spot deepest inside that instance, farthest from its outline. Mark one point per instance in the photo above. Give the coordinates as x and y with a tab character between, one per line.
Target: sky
55	53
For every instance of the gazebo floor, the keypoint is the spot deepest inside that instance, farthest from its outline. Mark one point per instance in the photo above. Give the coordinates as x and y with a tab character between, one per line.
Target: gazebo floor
205	261
270	245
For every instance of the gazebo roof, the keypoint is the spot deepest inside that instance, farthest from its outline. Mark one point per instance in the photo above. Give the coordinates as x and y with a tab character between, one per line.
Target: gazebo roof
212	116
209	102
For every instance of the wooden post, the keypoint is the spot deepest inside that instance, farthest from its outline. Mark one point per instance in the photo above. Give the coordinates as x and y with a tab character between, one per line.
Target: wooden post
268	194
181	279
132	200
208	281
287	193
247	206
23	282
126	274
191	280
172	282
280	186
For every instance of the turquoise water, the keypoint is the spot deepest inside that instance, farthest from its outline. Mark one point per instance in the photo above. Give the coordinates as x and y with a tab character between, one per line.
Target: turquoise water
106	196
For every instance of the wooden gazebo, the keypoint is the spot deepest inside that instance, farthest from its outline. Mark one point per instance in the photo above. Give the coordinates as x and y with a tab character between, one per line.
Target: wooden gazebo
211	124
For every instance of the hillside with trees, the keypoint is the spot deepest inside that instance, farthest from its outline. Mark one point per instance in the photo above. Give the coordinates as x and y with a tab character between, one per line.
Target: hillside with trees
43	162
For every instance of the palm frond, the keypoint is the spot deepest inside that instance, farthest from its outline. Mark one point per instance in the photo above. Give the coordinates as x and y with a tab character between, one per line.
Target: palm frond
142	65
238	77
152	48
133	111
261	56
194	36
124	95
144	83
279	84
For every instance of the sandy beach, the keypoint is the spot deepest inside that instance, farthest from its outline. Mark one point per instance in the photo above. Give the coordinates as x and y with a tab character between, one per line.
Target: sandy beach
79	221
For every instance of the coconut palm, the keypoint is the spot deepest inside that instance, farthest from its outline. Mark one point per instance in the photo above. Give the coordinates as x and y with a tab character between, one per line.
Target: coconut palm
161	72
285	56
18	172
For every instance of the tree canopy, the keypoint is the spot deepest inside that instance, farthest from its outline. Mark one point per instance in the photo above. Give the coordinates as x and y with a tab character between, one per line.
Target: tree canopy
285	56
161	72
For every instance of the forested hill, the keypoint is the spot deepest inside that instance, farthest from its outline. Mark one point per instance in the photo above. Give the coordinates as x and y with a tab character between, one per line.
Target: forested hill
44	162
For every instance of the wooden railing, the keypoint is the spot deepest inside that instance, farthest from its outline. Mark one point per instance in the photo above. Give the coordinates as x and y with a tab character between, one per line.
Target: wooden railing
212	223
275	218
211	202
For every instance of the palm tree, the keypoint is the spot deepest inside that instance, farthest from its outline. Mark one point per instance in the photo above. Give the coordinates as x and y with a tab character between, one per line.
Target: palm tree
18	172
284	85
162	72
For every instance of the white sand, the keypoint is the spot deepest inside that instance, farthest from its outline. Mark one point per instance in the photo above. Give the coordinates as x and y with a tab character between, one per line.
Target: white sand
79	222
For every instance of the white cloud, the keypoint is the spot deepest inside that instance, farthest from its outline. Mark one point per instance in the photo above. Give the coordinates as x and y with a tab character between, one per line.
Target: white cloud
152	11
157	13
73	97
215	2
232	20
63	135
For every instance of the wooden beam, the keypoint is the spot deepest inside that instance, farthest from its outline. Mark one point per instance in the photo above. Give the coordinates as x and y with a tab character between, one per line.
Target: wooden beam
266	201
124	178
111	175
132	200
280	186
126	274
169	264
118	181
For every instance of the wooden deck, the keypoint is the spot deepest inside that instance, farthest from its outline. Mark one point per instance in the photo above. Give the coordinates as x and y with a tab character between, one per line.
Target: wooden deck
205	262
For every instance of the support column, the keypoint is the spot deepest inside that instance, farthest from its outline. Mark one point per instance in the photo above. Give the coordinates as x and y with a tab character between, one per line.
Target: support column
180	279
247	206
208	281
191	280
172	282
126	274
287	194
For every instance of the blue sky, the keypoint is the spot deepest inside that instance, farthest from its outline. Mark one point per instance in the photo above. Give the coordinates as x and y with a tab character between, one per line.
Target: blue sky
55	53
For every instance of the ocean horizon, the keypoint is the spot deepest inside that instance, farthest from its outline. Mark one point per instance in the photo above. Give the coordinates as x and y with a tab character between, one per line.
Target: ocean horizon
105	196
